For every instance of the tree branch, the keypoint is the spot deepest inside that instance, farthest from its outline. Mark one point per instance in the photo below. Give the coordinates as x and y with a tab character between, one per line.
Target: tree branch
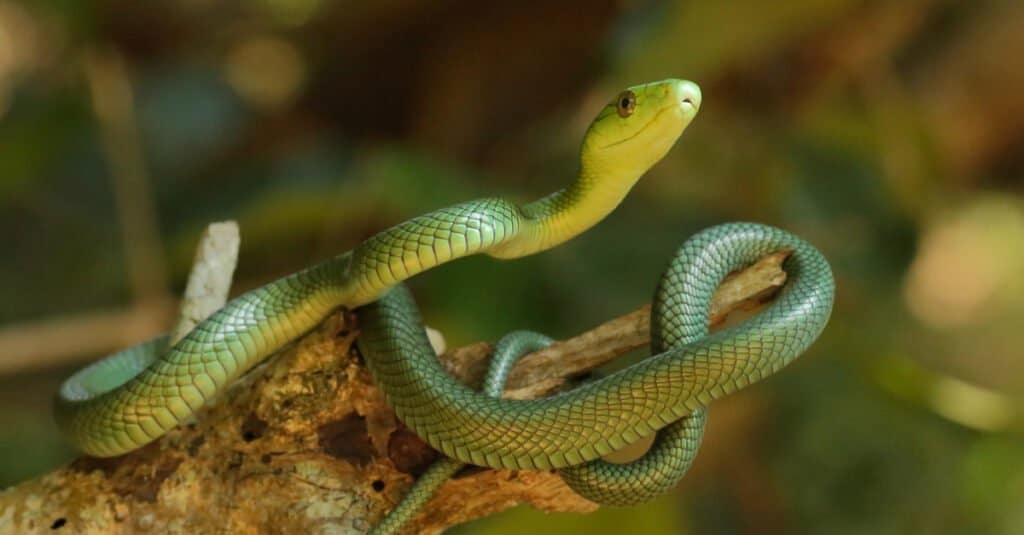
306	443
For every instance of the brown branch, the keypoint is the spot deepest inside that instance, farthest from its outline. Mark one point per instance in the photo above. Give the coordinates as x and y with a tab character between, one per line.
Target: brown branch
305	443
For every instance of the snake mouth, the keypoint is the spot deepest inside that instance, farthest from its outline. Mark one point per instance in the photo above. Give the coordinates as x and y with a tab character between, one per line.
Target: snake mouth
643	128
689	95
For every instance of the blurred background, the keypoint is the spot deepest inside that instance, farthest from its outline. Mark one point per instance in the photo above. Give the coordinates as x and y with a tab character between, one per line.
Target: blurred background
890	134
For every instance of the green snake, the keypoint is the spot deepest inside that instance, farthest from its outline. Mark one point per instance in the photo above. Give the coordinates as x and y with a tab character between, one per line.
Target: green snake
667	393
133	397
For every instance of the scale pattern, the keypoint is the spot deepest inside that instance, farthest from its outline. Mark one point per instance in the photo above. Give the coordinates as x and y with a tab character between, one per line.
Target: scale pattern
739	356
600	417
403	364
655	473
133	397
507	352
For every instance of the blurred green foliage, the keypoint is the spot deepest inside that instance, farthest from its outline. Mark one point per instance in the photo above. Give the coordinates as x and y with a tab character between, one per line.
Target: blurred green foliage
889	134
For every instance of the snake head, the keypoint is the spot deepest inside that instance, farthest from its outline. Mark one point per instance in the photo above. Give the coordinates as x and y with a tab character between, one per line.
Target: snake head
638	127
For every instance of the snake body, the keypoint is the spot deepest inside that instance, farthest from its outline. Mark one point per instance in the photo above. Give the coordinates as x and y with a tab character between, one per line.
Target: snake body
669	390
600	417
133	397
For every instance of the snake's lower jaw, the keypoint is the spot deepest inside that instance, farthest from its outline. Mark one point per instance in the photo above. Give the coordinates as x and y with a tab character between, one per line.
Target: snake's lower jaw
681	104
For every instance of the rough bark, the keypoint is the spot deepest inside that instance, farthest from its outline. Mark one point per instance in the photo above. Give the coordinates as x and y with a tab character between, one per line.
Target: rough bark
304	443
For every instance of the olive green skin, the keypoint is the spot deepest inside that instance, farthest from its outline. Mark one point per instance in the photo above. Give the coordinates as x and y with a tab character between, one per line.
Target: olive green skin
131	398
602	416
669	391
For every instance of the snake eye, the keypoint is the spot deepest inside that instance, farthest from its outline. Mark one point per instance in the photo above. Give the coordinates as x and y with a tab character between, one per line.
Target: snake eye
626	103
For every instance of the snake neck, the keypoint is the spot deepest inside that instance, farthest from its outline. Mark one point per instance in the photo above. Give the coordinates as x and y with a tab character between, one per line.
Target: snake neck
566	213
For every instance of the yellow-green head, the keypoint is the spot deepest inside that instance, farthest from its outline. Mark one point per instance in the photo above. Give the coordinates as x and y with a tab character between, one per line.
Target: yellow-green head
637	128
630	134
